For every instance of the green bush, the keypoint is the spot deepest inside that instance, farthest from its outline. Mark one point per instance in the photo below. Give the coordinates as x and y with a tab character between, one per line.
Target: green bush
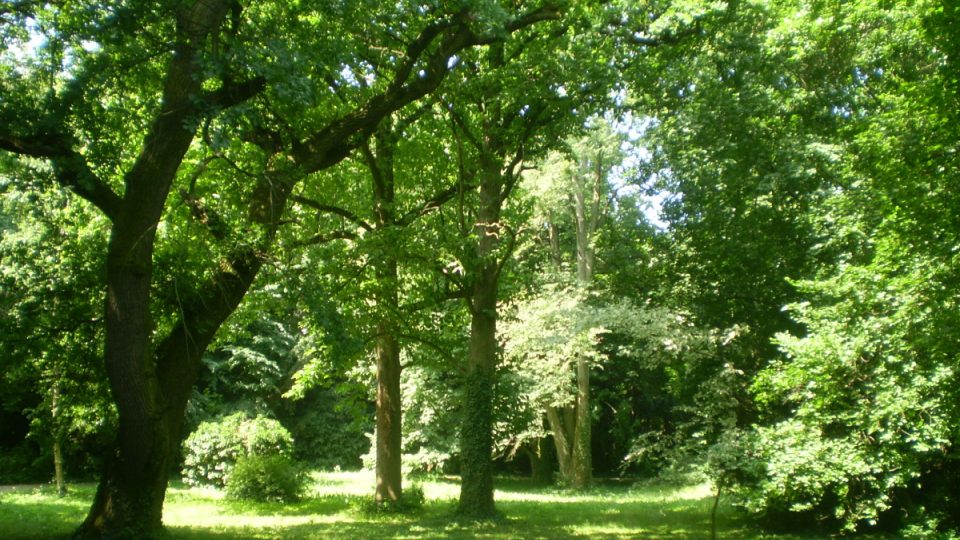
211	451
262	478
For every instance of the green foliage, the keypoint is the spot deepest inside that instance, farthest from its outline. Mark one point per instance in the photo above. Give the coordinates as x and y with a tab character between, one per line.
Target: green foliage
549	331
872	405
858	416
429	419
49	314
212	451
266	478
328	430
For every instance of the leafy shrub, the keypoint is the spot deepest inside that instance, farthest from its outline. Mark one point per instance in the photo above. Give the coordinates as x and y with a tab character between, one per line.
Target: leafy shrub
211	451
266	478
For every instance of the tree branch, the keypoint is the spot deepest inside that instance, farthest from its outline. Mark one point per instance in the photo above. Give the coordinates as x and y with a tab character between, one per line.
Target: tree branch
329	145
69	166
330	209
233	93
322	238
434	202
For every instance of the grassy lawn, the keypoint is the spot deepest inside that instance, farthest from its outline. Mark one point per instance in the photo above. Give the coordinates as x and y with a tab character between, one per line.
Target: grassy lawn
333	511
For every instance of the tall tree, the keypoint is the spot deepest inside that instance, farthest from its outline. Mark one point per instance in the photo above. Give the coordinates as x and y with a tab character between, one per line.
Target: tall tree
204	59
577	185
501	123
871	377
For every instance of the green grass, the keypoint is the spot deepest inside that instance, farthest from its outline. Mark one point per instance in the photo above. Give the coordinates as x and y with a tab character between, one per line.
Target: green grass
333	510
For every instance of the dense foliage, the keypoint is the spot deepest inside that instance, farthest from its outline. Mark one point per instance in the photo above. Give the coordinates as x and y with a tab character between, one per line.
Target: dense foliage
212	451
266	478
716	238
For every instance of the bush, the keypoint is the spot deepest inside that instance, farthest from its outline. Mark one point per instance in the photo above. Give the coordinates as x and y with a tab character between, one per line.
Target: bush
211	451
261	478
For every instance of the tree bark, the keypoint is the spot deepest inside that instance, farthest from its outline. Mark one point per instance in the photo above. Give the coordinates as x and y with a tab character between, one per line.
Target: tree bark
561	421
476	433
476	440
587	218
389	409
129	499
389	416
582	458
57	437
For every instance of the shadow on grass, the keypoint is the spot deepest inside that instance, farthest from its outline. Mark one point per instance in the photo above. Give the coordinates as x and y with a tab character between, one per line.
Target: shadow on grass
531	512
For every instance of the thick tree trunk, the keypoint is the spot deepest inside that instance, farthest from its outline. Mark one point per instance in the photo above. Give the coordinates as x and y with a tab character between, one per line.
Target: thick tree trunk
476	439
389	416
129	500
476	433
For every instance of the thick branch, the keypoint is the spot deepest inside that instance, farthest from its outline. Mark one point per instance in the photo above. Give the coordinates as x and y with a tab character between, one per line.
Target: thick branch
69	166
334	142
234	93
434	202
342	212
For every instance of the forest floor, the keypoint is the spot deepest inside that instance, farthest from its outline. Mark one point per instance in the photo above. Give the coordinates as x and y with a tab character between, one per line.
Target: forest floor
334	509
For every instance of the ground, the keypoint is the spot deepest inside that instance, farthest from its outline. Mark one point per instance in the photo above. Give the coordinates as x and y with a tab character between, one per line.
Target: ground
334	509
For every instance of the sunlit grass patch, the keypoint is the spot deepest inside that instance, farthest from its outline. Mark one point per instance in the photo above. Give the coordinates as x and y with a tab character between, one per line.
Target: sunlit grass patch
40	513
333	509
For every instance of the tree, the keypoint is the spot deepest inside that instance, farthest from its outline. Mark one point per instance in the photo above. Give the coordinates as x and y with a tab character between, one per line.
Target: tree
51	359
740	150
870	377
388	221
580	184
501	124
385	259
201	67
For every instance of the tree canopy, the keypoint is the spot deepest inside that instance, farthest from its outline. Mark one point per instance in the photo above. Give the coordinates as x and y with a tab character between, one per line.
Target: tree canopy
636	238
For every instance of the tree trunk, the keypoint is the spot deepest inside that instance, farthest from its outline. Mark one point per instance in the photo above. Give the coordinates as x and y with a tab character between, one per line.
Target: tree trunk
582	459
476	439
476	433
57	435
562	427
129	499
58	466
587	218
389	416
389	410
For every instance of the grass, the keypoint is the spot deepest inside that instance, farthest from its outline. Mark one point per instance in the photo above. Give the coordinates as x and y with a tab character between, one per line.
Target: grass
333	510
